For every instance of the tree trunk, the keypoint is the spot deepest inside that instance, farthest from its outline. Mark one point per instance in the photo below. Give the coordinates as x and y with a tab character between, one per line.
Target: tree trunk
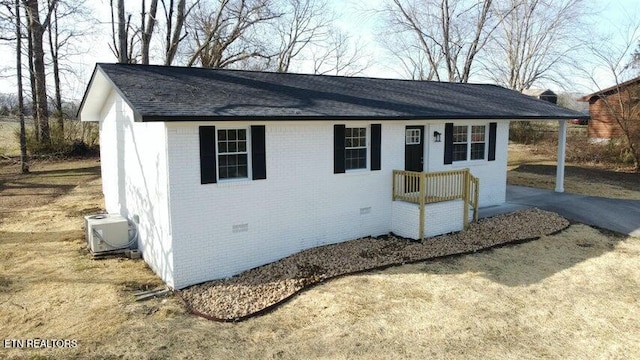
174	36
54	47
123	57
147	29
24	162
32	81
37	30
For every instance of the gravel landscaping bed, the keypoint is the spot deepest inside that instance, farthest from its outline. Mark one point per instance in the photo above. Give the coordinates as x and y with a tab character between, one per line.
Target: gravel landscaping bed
258	290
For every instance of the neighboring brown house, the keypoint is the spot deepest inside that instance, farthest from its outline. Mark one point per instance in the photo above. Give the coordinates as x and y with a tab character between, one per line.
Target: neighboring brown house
609	106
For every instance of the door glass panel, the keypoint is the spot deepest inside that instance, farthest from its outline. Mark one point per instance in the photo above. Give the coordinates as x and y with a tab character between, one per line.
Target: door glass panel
412	137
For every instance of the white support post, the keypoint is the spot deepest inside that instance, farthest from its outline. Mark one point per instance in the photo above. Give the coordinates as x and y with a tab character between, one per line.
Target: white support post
562	145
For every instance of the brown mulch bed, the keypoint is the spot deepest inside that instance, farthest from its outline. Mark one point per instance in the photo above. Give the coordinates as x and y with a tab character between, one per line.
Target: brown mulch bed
258	290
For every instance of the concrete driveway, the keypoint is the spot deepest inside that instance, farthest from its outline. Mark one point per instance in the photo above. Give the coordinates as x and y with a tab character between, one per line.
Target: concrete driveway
622	216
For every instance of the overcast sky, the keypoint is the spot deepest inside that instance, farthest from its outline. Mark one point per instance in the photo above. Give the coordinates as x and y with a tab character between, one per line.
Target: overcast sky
357	18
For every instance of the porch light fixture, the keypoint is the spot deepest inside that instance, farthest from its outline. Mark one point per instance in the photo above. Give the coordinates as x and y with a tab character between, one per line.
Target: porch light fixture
437	136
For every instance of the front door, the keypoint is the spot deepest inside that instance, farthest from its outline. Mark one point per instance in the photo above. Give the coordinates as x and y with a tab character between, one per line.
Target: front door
414	148
413	155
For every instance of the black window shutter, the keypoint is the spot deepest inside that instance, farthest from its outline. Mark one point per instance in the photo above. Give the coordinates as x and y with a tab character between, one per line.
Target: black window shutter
376	150
207	154
448	143
338	149
258	153
492	141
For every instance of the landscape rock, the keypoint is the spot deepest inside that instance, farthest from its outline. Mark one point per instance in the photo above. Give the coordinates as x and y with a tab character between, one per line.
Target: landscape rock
256	290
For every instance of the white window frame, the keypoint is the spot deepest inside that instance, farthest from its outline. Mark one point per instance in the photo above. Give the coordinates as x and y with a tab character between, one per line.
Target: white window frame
469	142
366	147
246	152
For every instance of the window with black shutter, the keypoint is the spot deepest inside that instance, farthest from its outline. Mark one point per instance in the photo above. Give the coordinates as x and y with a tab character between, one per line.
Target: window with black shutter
469	142
231	154
351	148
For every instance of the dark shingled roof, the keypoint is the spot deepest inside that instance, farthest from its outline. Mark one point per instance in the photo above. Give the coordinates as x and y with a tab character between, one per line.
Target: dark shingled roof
163	93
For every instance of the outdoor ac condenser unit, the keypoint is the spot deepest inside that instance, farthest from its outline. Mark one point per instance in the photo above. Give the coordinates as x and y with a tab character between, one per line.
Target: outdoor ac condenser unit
106	232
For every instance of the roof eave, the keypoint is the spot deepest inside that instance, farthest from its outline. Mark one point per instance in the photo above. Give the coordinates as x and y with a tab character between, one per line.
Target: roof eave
102	84
162	118
608	91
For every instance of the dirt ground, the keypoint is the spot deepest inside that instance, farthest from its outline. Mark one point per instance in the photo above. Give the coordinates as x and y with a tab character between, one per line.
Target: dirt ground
572	295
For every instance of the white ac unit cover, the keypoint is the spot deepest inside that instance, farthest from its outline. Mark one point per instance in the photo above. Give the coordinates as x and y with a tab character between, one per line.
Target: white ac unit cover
106	232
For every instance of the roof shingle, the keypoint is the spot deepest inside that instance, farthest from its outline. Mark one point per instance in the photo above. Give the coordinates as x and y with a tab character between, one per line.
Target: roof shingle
163	93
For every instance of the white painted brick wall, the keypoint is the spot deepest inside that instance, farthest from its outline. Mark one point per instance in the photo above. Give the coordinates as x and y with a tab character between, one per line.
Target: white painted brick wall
405	219
192	232
439	218
222	229
134	180
301	204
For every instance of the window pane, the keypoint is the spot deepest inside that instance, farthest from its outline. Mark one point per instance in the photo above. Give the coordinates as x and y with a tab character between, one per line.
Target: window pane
362	159
355	148
459	133
477	151
356	159
459	152
412	137
222	146
477	133
222	172
243	171
232	165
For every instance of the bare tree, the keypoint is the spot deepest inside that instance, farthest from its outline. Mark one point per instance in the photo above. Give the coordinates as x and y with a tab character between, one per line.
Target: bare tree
175	16
24	161
146	29
303	23
121	43
37	29
535	40
620	102
226	34
448	34
7	21
415	61
32	82
54	46
66	26
12	15
340	56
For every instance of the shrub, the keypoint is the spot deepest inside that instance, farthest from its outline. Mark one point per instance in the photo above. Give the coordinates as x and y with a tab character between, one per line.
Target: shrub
529	132
608	153
76	139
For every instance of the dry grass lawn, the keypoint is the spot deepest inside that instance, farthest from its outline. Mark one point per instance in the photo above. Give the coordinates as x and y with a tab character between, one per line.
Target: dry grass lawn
572	295
527	167
8	142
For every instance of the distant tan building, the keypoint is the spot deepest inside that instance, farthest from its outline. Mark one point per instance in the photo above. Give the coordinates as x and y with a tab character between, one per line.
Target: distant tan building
542	94
608	104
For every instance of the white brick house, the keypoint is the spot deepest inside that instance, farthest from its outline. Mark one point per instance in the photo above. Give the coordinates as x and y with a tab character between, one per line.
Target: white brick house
223	170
